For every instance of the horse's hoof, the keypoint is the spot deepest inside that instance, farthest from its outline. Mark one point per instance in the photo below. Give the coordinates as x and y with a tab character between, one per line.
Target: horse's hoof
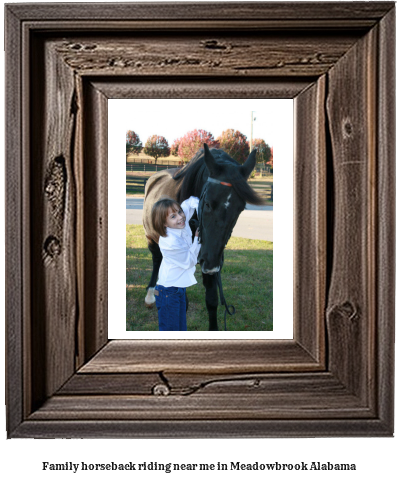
150	298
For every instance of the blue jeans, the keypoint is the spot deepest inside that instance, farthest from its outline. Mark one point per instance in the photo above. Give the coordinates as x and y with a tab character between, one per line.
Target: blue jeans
171	305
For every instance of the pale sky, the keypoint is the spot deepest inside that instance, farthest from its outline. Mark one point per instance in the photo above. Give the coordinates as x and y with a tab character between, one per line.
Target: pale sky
174	118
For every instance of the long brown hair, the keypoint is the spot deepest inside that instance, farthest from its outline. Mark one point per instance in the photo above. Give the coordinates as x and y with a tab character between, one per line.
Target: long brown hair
160	212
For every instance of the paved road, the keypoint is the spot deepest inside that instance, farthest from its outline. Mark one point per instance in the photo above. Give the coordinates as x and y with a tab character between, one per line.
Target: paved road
255	222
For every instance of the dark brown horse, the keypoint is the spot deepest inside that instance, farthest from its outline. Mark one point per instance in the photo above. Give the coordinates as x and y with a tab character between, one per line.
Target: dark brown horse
221	184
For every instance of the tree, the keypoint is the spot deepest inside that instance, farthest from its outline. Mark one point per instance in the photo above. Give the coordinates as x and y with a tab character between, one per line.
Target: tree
175	147
157	146
235	144
133	143
270	162
263	151
190	143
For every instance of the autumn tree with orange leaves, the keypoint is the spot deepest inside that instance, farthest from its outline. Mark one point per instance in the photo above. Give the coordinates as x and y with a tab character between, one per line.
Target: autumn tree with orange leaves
190	143
175	147
235	144
263	151
271	159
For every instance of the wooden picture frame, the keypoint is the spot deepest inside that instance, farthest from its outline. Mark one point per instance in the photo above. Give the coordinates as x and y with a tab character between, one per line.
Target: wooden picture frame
335	378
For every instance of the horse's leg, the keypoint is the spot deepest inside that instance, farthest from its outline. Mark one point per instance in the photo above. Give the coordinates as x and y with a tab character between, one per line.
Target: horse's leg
211	299
156	263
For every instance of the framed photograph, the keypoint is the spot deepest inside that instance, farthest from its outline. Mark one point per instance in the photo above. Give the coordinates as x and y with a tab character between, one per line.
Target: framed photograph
255	269
65	377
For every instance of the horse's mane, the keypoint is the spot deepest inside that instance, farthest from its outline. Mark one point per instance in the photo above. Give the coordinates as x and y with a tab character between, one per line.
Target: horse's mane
193	176
195	173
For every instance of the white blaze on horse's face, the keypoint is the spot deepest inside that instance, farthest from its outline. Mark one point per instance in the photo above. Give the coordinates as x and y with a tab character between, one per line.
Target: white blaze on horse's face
227	204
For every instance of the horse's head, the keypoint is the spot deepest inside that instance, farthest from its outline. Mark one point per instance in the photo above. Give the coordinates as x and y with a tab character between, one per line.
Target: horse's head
223	199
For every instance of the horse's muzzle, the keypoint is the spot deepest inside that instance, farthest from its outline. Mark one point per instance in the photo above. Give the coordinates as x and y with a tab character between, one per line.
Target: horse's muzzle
210	271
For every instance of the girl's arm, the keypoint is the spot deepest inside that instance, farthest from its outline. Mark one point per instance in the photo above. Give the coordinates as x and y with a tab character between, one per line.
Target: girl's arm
189	206
180	257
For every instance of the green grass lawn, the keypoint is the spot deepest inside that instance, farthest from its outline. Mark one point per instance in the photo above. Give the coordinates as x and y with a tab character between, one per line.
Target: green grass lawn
247	278
132	190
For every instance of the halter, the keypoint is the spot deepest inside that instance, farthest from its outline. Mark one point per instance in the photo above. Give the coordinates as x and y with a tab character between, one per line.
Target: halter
219	277
213	180
202	201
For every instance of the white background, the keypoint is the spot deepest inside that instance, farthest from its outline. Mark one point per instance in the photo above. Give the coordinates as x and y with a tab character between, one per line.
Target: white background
376	458
274	123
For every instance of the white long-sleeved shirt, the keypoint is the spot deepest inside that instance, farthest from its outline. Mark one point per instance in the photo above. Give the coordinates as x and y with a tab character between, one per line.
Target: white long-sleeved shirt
179	252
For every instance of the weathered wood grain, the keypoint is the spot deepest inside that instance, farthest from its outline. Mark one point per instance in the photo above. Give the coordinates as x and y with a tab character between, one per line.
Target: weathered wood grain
385	245
203	407
192	428
310	200
185	384
313	390
181	87
269	396
122	384
218	55
282	12
200	356
53	213
16	244
351	109
95	203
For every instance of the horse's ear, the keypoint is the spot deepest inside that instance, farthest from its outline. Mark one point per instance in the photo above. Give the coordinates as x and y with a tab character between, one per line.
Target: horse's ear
249	165
209	160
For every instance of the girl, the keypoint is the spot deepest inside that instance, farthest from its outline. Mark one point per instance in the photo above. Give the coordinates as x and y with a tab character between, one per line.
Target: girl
179	257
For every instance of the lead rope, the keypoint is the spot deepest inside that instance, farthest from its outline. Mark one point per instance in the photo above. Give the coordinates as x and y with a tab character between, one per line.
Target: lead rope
223	302
219	281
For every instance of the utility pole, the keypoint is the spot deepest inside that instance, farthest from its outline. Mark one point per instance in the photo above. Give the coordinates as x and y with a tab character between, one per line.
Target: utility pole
252	126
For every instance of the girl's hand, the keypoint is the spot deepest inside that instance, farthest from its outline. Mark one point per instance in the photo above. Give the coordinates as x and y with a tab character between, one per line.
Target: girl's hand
196	233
